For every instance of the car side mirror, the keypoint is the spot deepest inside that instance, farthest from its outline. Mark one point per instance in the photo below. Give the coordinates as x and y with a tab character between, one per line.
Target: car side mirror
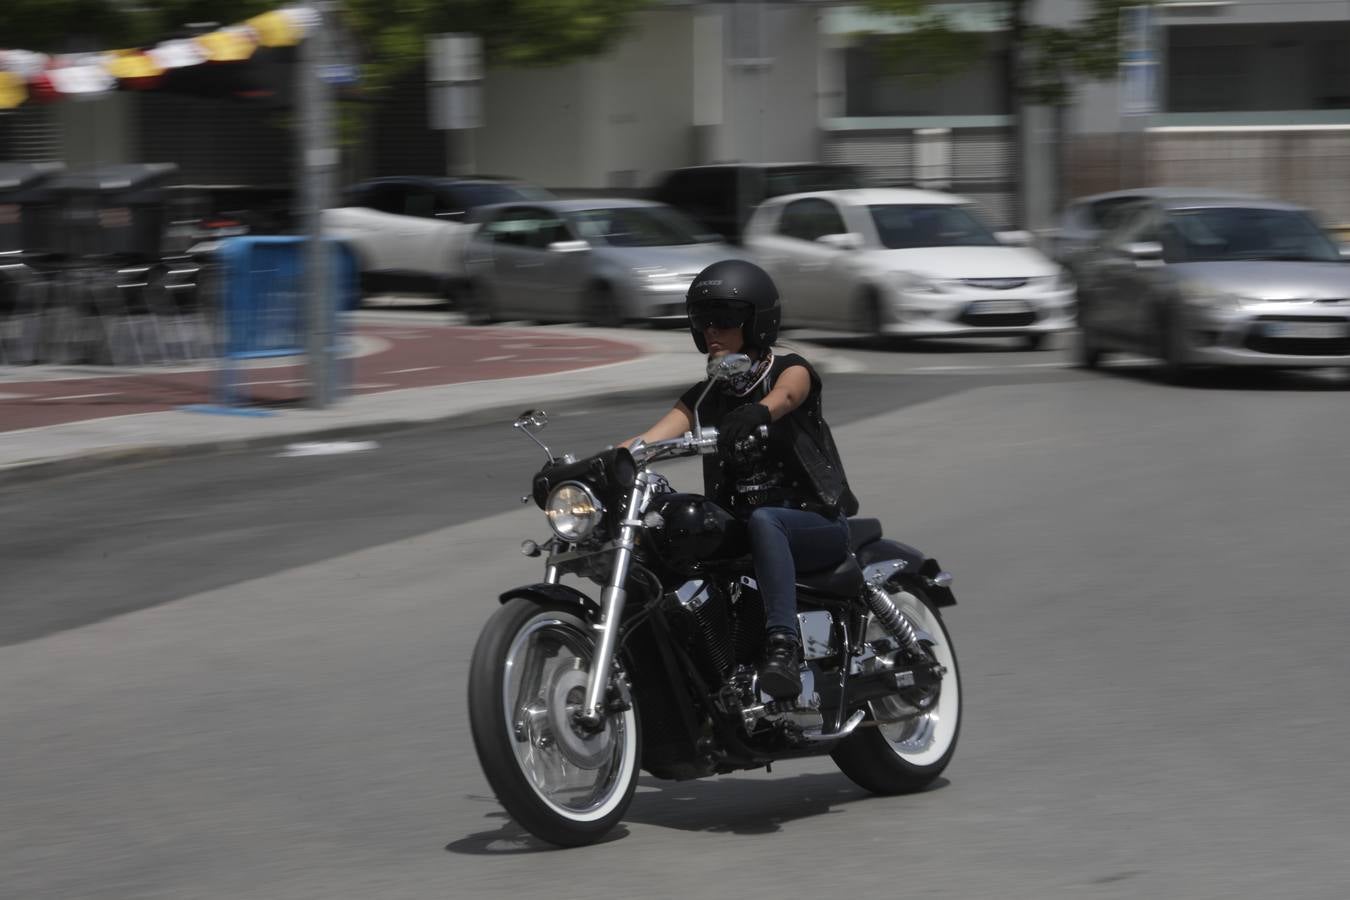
1014	238
847	241
568	246
1145	251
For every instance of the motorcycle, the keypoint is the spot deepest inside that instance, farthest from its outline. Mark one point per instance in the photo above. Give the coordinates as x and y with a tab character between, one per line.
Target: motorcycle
569	698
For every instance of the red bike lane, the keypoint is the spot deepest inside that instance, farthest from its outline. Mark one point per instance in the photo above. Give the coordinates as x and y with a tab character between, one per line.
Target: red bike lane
394	357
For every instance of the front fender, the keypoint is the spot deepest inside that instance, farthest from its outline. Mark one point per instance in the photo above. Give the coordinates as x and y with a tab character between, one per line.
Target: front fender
563	594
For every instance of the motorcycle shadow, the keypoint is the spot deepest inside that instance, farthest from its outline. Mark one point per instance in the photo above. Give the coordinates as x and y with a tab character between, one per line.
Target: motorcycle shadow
745	805
726	805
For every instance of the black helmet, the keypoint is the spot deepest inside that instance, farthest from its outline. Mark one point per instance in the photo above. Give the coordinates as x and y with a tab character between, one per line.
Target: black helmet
737	283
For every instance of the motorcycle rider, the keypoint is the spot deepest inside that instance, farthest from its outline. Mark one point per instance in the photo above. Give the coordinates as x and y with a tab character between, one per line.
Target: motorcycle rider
791	490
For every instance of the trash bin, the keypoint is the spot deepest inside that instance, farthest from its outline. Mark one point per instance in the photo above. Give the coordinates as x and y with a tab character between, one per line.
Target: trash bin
112	211
26	206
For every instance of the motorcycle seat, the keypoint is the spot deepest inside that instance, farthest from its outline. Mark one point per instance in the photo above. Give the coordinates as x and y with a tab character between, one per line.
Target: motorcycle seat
862	532
844	580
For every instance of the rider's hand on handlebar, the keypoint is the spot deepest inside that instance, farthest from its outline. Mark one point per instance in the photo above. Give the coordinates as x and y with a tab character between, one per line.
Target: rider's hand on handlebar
741	423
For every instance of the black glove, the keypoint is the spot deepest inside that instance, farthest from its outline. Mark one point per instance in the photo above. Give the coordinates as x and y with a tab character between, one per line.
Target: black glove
740	423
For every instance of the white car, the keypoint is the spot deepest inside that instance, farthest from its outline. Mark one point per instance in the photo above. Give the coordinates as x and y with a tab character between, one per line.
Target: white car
907	263
409	232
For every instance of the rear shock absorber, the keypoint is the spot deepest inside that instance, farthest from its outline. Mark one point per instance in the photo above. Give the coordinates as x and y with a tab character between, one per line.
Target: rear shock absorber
883	607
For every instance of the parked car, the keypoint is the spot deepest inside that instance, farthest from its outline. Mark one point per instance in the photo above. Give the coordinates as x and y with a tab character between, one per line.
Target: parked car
723	197
603	261
1086	219
1217	281
907	263
409	232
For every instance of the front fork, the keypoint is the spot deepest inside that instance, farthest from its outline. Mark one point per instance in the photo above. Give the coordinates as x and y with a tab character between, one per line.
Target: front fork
612	601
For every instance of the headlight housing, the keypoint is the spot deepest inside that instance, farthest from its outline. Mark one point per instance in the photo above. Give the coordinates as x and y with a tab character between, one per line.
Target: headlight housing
573	511
918	284
1206	297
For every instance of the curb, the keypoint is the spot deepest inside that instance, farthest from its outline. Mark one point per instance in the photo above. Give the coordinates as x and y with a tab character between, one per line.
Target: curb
21	473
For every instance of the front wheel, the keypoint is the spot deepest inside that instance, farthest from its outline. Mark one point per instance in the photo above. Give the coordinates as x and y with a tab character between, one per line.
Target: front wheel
901	748
565	784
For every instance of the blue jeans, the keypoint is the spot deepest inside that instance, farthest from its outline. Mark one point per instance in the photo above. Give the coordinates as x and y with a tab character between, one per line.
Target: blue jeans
784	542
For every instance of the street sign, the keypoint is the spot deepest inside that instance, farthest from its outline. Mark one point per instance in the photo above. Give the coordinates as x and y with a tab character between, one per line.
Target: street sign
1138	62
454	81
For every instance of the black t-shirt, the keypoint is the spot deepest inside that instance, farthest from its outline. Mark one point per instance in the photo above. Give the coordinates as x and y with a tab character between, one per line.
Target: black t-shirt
777	478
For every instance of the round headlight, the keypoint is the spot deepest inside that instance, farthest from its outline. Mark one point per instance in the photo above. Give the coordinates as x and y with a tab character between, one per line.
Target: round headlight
573	511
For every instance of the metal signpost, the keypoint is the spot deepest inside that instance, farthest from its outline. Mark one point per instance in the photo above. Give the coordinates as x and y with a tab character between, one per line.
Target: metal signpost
455	78
1139	65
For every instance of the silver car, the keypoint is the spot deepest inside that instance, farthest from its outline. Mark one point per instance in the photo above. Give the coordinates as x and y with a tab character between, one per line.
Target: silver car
1217	282
604	261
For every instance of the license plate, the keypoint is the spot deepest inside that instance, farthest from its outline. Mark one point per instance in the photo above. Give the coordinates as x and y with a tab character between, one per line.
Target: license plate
996	307
1305	329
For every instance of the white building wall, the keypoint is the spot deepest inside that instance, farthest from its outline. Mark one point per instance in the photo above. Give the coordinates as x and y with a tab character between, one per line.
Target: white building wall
530	121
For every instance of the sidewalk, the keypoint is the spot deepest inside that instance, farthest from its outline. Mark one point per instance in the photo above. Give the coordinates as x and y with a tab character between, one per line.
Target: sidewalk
410	368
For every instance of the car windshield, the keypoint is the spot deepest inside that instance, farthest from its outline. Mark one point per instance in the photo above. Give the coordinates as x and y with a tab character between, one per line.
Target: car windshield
778	182
484	193
637	226
900	226
1239	233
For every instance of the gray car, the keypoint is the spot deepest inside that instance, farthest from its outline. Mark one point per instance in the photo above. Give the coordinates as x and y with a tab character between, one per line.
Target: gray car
603	260
1216	282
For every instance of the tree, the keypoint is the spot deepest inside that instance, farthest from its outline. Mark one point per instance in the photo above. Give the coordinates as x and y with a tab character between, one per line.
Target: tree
1042	61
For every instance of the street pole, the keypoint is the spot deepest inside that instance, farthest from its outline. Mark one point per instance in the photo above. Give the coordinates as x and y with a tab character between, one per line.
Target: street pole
1013	74
318	160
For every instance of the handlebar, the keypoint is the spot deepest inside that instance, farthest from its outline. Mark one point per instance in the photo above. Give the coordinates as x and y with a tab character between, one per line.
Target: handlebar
684	445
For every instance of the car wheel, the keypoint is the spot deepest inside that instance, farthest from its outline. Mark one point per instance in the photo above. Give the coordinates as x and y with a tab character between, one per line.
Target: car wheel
602	307
478	304
1172	350
1088	352
870	318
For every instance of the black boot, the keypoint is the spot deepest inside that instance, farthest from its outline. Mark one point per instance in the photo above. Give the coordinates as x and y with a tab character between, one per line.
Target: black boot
780	674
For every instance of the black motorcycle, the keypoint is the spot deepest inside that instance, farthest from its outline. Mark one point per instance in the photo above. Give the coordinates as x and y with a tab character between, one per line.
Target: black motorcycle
569	699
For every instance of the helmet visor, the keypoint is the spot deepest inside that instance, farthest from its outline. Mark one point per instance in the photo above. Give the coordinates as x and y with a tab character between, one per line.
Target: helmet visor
704	317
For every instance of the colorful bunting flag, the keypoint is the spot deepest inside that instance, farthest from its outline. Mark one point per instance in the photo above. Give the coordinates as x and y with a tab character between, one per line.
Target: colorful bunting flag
26	76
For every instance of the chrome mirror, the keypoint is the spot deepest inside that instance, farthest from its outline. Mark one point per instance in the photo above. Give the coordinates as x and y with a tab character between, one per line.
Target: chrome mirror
729	366
1144	251
568	246
721	368
530	421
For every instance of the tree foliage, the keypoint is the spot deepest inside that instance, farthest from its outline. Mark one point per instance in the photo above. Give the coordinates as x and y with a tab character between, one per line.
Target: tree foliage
1052	57
389	36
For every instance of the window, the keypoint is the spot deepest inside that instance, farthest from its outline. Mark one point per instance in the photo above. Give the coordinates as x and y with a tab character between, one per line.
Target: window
636	226
1106	213
527	227
909	225
810	218
1237	233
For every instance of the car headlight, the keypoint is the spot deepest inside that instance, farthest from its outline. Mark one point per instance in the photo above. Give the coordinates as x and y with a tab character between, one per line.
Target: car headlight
1060	281
917	284
573	511
1210	298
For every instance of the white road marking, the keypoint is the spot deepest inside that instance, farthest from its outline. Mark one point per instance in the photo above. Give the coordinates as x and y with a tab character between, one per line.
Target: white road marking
495	358
277	381
373	386
413	369
80	396
327	448
14	396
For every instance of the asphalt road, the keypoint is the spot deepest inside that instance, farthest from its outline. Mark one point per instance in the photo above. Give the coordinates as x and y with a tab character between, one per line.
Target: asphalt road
1151	629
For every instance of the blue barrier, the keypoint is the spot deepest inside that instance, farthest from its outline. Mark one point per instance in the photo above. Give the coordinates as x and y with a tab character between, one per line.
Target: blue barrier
263	311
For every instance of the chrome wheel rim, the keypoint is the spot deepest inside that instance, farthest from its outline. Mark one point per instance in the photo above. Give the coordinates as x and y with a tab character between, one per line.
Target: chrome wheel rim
579	774
923	738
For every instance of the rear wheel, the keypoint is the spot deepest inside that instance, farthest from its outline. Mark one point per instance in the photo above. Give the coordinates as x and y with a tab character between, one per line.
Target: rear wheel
602	307
1172	350
903	747
478	304
1087	350
566	784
